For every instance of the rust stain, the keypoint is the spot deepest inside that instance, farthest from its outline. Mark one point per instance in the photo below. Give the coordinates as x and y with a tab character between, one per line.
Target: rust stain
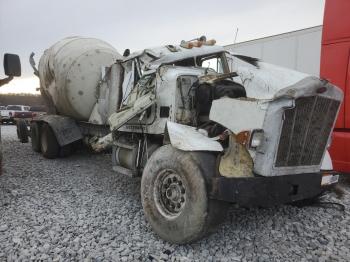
236	162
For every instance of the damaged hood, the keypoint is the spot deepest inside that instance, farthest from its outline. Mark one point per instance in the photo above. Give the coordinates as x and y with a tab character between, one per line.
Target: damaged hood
266	81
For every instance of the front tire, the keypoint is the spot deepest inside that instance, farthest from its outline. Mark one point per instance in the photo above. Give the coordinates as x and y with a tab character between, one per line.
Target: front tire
49	145
174	192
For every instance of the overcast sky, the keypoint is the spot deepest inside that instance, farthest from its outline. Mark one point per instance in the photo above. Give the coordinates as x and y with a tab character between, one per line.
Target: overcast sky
34	25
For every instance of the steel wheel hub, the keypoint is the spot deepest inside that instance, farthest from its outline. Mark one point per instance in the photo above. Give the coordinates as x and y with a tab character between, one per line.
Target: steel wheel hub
170	193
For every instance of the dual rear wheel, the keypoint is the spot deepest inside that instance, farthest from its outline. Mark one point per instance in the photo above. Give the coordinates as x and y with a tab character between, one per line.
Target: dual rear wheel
44	140
49	146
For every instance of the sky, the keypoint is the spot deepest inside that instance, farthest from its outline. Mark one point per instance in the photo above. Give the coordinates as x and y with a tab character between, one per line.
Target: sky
35	25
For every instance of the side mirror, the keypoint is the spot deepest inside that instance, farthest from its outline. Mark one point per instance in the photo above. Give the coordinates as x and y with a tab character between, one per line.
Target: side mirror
12	65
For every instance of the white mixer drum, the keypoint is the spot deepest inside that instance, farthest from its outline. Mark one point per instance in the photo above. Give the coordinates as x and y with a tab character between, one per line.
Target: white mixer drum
70	72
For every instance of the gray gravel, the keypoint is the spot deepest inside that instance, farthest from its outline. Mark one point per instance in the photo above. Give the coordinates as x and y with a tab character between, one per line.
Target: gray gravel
76	208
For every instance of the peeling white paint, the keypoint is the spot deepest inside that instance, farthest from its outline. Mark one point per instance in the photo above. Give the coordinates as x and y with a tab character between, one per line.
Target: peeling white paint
188	138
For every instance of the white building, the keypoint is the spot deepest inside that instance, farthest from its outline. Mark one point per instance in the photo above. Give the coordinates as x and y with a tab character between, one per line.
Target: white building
299	50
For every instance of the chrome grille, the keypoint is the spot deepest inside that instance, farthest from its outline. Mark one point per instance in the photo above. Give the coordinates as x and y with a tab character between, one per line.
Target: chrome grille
305	131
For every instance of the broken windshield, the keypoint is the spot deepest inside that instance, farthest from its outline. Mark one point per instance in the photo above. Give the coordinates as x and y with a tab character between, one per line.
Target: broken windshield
215	62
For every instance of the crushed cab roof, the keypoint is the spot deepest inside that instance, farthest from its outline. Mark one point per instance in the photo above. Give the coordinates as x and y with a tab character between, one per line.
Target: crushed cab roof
155	57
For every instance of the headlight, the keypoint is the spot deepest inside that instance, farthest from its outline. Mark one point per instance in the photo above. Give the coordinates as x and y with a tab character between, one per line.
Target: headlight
256	138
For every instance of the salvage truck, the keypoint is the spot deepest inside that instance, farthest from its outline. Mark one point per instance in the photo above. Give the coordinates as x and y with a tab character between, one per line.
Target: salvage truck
203	127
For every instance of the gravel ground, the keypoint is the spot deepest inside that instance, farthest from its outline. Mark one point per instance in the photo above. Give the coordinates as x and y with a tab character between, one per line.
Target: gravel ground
76	208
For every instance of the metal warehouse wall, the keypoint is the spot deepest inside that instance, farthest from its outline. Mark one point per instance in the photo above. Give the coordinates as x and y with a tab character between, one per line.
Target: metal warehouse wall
299	50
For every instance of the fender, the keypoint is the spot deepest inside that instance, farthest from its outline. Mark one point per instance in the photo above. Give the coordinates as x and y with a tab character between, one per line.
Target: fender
65	128
188	138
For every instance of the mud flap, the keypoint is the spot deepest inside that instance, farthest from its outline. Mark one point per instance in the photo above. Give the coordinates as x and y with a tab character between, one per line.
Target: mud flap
65	128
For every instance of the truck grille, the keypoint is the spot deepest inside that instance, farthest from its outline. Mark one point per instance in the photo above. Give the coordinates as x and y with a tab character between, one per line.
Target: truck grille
305	131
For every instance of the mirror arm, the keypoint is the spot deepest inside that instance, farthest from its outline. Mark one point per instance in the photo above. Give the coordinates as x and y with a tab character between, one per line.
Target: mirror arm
32	63
5	80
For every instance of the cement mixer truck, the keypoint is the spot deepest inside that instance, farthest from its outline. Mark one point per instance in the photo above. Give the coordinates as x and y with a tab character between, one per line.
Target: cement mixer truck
203	127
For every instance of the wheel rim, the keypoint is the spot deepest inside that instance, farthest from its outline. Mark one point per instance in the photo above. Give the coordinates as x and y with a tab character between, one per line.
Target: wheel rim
170	193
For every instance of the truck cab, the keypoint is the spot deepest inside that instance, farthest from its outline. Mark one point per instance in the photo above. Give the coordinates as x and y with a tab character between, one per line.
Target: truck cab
335	61
262	130
190	86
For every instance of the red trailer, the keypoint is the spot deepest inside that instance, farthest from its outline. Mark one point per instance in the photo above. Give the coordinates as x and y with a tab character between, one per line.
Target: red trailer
335	67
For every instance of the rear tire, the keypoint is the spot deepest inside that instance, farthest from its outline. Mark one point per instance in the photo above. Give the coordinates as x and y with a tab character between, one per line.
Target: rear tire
66	150
49	145
22	131
174	192
35	136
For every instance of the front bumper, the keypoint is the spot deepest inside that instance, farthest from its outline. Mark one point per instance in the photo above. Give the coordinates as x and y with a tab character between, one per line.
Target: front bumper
269	191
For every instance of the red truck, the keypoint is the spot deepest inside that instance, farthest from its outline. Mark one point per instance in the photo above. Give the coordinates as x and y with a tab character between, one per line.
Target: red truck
335	67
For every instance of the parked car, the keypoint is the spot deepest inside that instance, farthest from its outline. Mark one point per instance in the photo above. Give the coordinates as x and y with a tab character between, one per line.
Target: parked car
27	116
24	118
37	111
12	112
1	109
4	115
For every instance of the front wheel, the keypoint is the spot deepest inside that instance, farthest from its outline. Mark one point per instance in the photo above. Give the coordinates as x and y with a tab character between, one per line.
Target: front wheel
175	197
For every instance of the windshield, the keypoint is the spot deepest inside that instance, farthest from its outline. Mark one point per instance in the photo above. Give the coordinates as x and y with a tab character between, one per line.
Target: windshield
17	108
215	62
37	109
